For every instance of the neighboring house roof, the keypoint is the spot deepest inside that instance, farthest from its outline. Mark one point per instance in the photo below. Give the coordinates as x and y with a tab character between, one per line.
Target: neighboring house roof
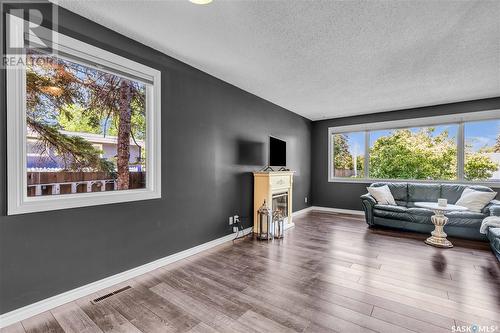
94	138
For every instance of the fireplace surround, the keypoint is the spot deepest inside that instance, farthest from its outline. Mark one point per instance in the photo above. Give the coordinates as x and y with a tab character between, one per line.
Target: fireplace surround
276	188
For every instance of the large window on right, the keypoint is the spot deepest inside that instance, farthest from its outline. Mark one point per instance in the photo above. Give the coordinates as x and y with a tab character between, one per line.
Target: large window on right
467	150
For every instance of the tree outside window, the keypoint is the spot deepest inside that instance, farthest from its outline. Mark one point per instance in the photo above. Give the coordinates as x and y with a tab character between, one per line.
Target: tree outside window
349	154
72	109
416	153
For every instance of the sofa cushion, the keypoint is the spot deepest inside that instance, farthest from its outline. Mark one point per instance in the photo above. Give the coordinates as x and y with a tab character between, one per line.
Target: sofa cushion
423	192
420	215
466	214
391	212
420	211
399	190
465	219
392	208
452	192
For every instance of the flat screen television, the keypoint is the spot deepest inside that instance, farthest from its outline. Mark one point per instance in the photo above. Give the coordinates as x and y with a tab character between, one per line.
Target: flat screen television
277	152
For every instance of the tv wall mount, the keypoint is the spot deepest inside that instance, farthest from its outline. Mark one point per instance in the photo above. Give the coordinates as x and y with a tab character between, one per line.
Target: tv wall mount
269	168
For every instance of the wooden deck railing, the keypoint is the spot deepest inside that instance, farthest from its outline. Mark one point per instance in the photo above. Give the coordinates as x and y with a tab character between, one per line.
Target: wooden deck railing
53	183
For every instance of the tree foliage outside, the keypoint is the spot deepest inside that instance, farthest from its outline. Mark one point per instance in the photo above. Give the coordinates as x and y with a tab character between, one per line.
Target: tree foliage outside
73	118
344	160
414	155
422	154
62	95
478	166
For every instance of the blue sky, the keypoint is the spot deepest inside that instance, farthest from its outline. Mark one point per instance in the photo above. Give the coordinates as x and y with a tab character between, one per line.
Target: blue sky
477	134
482	133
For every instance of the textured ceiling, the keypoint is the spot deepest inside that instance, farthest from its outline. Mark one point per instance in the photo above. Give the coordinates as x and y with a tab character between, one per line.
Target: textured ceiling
324	59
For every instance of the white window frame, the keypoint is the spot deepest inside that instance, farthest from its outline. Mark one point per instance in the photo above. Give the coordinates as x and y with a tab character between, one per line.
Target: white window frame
457	119
18	201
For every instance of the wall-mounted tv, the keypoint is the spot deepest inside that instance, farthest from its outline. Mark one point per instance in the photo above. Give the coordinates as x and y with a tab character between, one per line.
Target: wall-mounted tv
277	152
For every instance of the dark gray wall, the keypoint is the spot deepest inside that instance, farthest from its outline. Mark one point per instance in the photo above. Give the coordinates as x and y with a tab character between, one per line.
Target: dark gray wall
346	195
214	135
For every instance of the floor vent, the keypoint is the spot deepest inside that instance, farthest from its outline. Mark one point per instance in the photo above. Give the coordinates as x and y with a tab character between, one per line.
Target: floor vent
98	299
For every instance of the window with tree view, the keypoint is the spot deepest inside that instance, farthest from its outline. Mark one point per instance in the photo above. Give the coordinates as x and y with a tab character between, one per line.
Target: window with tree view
349	152
464	151
85	128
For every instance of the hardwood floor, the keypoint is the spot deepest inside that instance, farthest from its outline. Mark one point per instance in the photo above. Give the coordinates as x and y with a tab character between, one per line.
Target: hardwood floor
330	274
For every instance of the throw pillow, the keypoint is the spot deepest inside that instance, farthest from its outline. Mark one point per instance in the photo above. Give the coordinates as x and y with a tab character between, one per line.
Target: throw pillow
474	200
382	194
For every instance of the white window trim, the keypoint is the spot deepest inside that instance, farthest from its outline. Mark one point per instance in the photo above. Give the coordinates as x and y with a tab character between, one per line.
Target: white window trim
18	201
458	119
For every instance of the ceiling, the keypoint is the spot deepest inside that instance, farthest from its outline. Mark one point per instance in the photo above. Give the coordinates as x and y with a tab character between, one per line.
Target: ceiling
324	59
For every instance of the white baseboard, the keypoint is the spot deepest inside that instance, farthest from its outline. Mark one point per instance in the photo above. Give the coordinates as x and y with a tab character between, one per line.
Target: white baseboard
17	315
327	209
337	210
302	211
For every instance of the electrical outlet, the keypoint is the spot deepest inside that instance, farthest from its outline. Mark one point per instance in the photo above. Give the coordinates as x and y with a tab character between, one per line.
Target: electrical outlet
305	199
235	229
231	220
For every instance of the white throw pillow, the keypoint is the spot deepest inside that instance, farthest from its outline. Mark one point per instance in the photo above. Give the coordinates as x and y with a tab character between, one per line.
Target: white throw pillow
474	200
382	194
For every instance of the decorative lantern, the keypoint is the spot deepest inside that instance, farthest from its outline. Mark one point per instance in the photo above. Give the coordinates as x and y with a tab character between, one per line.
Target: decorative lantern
279	224
265	230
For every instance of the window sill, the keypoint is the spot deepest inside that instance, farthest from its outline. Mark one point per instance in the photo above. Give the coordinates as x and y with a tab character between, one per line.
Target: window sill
65	201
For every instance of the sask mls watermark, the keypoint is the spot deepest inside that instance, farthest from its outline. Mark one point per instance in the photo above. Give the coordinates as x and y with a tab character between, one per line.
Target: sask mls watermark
474	329
30	26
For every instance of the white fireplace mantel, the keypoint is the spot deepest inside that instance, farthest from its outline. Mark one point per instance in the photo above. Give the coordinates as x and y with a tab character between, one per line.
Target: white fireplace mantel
267	183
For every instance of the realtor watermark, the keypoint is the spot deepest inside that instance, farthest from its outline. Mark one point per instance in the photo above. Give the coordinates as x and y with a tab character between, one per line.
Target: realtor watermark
30	26
474	328
14	61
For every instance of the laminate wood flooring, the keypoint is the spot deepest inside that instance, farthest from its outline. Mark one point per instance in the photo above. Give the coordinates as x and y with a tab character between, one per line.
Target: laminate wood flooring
330	274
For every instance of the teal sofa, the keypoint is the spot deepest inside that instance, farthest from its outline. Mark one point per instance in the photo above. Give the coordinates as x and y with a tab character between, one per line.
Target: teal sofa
407	216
